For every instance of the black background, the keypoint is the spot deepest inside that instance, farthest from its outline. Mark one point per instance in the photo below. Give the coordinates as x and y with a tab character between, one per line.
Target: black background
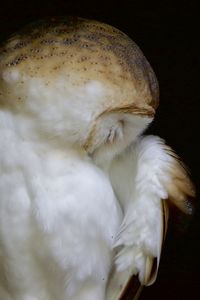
168	34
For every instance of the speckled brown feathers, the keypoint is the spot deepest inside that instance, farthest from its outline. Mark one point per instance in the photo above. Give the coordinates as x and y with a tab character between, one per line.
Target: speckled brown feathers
81	50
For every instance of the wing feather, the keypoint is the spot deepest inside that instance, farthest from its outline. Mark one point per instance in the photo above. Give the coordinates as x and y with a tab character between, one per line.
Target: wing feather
146	178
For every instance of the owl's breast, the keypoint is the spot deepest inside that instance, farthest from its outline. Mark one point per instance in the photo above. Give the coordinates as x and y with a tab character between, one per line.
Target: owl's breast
57	211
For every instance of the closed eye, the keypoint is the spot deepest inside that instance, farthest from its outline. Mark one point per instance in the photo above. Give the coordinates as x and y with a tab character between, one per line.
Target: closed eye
116	132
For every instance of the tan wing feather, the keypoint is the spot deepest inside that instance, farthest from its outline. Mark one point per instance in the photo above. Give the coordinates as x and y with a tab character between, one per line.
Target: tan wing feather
153	263
180	187
124	286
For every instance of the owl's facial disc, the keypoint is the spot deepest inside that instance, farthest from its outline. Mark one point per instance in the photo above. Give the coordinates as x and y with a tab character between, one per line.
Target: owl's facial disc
113	133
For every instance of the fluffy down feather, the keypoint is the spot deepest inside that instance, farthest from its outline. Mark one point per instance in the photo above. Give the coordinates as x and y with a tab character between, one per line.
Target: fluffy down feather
52	222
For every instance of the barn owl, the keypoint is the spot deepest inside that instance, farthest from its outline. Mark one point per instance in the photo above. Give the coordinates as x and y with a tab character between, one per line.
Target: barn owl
83	193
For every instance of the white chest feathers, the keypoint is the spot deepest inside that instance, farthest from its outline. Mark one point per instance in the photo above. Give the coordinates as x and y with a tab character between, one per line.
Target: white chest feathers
59	217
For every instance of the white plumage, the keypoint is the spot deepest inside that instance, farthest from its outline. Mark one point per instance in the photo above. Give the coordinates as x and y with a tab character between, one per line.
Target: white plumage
80	191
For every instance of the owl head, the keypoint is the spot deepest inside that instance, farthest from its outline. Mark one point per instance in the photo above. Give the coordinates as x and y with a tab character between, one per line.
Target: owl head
77	83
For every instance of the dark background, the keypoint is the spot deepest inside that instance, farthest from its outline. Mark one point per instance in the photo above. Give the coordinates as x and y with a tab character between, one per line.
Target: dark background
167	32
